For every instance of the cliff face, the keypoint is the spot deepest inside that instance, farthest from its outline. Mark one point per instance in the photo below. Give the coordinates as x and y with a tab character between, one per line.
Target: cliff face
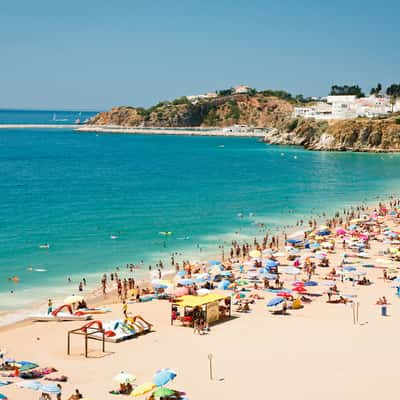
258	110
361	134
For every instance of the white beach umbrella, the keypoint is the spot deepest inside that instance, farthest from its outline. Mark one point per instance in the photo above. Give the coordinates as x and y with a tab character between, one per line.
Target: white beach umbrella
124	377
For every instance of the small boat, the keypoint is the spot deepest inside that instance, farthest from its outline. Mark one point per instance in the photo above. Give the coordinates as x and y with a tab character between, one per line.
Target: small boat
44	246
113	237
221	146
165	233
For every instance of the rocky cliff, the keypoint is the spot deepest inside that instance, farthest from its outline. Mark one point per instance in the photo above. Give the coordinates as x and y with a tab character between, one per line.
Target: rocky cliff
254	110
360	134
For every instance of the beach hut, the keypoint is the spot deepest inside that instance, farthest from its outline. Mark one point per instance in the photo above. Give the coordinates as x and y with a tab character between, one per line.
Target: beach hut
210	305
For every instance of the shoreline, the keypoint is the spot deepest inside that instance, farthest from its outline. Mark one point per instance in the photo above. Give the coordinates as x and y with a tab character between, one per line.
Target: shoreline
189	131
95	298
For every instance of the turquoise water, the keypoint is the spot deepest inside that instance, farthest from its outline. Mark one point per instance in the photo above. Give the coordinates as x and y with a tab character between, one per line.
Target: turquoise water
76	190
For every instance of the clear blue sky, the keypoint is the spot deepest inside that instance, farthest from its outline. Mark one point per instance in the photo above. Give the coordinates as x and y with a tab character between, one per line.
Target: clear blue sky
95	54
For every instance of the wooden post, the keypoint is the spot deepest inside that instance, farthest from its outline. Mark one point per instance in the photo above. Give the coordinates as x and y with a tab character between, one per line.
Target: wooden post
104	344
86	345
68	343
210	357
358	306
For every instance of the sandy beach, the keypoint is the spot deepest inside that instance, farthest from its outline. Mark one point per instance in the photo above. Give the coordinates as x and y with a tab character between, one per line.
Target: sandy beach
311	352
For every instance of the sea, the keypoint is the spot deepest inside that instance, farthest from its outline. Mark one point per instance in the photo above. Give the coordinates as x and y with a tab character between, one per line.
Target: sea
100	201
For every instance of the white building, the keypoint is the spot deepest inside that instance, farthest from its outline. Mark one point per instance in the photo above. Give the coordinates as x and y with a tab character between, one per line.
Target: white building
194	99
343	107
241	89
347	107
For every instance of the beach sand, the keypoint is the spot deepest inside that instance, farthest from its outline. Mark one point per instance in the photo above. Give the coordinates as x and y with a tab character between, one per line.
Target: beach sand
313	352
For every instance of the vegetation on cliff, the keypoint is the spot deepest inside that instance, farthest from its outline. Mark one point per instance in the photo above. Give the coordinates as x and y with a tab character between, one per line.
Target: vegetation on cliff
258	110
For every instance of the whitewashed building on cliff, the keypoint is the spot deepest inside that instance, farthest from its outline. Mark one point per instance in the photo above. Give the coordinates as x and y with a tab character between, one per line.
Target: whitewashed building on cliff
347	107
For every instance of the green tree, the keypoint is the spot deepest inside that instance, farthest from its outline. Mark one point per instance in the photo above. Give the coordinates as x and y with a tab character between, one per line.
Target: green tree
376	90
346	90
225	92
394	92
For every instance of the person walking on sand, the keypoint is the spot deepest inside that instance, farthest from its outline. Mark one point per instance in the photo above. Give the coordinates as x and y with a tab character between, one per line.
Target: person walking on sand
125	309
58	396
49	307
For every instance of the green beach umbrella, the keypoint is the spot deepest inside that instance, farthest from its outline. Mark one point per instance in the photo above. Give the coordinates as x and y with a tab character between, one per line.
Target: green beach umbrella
163	392
242	282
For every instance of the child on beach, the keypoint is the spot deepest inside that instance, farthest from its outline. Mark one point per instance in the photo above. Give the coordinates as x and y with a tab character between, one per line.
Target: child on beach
49	307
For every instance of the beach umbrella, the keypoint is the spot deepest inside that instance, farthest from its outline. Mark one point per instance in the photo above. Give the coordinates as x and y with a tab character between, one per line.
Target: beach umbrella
349	269
163	376
328	283
124	377
225	273
271	264
294	241
341	231
159	286
73	299
293	251
252	274
242	282
284	294
34	385
269	276
275	301
290	270
267	252
50	389
310	283
143	389
255	253
214	262
181	273
3	397
186	282
204	276
203	292
279	254
224	285
300	289
163	392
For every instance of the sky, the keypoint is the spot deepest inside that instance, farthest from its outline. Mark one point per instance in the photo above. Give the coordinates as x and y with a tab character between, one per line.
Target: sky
97	54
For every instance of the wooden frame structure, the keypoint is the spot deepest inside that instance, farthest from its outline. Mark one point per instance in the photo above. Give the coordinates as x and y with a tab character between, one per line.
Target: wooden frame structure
88	332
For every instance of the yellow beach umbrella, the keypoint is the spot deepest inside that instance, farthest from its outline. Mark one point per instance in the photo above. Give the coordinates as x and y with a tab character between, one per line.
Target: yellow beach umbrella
143	389
73	299
255	253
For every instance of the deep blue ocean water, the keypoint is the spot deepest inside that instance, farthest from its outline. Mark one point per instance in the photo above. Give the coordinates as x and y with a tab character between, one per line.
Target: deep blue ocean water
74	191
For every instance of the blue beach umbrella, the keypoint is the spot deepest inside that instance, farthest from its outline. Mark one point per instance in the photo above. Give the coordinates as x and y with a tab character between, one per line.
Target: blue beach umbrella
186	282
214	262
349	268
225	273
163	376
159	286
271	264
181	273
275	301
34	385
50	389
310	283
224	285
294	241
